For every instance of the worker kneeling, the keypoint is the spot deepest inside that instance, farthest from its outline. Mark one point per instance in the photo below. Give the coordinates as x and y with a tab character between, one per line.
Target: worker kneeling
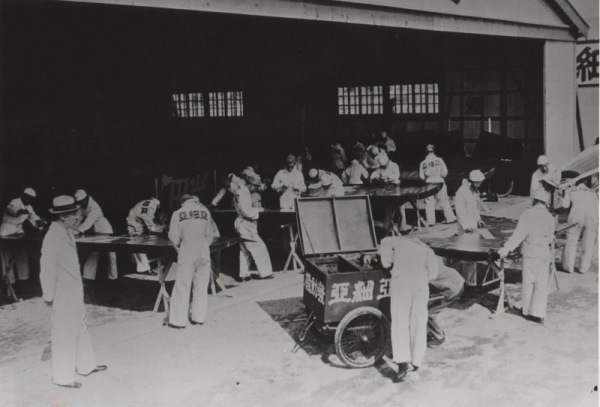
191	233
412	264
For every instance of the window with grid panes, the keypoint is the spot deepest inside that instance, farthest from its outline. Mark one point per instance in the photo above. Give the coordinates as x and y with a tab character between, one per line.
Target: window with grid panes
226	104
188	105
353	100
415	98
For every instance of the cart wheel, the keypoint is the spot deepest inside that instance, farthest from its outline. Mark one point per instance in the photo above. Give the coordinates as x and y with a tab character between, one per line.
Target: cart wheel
362	336
503	187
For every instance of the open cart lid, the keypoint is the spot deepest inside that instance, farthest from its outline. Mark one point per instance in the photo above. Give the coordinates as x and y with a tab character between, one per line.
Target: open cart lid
331	225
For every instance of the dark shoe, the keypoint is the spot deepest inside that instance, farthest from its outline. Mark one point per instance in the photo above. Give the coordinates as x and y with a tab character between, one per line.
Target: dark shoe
99	368
267	277
244	279
174	326
402	371
435	343
448	223
74	385
196	323
415	368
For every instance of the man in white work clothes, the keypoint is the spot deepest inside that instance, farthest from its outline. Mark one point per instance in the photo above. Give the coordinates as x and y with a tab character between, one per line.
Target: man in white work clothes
545	171
246	225
356	173
62	288
584	211
468	206
17	212
191	232
93	218
330	183
289	183
143	218
433	170
388	173
535	233
412	265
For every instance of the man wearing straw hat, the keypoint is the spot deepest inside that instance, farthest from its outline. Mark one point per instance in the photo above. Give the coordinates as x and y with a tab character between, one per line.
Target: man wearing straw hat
62	287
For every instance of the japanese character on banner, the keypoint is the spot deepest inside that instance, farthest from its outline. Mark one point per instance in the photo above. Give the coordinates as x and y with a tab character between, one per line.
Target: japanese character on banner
363	291
339	293
384	288
587	63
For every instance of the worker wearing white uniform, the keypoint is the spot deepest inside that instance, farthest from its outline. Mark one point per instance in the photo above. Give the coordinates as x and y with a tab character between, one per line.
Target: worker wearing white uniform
62	287
143	218
338	158
231	185
257	194
246	225
545	171
433	170
370	160
584	212
356	172
468	205
191	232
17	212
412	264
289	183
535	233
388	173
93	218
330	183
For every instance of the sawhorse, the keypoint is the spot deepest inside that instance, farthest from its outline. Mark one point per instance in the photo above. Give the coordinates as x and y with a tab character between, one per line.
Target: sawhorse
293	259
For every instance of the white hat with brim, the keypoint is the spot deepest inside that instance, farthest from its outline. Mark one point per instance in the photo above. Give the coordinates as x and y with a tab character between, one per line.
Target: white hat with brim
541	195
63	204
476	176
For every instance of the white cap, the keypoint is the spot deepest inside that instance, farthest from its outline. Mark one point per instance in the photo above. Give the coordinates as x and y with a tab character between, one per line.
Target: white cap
476	176
430	147
373	150
542	160
382	160
313	173
29	191
326	180
541	195
80	195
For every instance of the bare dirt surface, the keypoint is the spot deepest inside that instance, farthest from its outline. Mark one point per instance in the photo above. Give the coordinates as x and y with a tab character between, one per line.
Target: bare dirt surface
248	353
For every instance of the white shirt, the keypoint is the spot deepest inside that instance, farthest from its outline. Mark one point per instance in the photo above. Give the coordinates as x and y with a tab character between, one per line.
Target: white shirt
93	217
143	213
535	230
12	223
583	202
290	184
391	173
355	173
467	205
433	169
191	229
242	202
413	261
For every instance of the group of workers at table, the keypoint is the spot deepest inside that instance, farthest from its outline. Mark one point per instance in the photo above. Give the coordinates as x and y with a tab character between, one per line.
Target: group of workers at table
412	264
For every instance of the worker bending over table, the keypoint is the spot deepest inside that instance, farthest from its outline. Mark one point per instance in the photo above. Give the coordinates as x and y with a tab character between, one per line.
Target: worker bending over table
584	211
17	213
412	265
145	217
94	220
545	171
246	225
191	232
468	206
433	170
327	183
534	233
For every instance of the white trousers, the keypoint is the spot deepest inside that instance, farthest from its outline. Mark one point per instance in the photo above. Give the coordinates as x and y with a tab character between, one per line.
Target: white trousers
409	321
141	262
193	275
442	198
72	350
255	250
91	266
588	246
536	276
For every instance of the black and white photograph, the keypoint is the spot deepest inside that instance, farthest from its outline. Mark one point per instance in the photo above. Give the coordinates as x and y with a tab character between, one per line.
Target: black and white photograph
285	203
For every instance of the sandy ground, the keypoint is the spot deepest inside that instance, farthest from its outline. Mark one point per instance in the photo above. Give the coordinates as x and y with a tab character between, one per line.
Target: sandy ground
248	354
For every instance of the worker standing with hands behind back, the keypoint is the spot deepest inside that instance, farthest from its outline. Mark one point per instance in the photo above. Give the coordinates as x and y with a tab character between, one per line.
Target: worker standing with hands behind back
191	233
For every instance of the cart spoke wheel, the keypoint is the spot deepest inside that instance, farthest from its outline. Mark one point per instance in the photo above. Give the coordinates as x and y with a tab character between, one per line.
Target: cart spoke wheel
362	336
